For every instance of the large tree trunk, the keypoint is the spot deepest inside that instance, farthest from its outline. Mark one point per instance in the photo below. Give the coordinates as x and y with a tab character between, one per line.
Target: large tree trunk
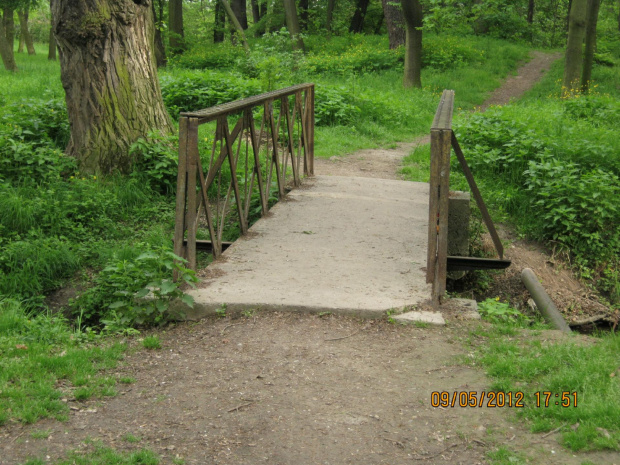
574	52
395	23
6	40
255	11
175	26
233	19
51	53
357	22
412	12
219	24
330	15
24	32
160	51
107	68
240	9
292	23
588	59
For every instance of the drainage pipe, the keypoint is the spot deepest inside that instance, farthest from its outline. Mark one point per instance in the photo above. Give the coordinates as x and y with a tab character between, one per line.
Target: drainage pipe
543	301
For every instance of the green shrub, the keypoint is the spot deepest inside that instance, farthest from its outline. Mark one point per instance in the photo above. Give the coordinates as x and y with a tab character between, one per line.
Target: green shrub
39	120
135	291
156	160
334	106
195	90
208	57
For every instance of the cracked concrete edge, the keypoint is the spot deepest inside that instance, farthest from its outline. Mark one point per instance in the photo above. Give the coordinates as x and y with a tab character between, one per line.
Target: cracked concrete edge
180	311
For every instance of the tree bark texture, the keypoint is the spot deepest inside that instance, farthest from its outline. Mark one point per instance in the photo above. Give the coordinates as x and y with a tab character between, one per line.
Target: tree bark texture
588	59
51	53
330	15
233	19
24	32
412	13
357	22
292	23
240	9
176	34
574	52
107	68
160	51
219	24
6	45
395	23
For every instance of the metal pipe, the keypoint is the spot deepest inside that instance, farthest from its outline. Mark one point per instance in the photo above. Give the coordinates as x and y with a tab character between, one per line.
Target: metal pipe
543	301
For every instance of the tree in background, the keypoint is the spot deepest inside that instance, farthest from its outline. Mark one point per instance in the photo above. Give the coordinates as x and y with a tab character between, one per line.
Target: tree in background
219	23
233	19
240	9
329	15
107	68
574	52
588	59
176	36
7	33
395	22
292	23
412	12
160	50
24	33
357	22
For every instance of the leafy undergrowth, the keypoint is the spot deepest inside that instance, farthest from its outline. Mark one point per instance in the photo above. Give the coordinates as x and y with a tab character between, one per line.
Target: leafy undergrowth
583	374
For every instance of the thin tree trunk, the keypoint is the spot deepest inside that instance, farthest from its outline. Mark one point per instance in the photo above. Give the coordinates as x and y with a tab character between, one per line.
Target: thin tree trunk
220	23
6	46
241	13
160	50
412	13
235	21
574	52
51	54
24	32
270	7
22	43
330	15
107	68
176	34
303	14
379	23
255	11
588	59
395	23
357	22
530	12
292	22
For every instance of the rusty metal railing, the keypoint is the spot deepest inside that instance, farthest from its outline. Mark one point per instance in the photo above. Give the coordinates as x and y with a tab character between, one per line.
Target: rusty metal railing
239	180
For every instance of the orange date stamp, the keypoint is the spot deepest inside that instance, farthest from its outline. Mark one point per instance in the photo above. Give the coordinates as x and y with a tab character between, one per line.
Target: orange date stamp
492	399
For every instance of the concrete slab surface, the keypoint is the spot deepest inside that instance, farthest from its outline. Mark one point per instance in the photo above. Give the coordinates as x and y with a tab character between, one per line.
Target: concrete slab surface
433	318
338	244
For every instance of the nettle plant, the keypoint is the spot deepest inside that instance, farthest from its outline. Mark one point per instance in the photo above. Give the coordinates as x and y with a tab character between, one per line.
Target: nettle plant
136	292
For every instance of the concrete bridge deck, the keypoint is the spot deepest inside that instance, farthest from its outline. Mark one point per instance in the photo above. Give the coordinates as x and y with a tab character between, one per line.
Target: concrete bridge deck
345	245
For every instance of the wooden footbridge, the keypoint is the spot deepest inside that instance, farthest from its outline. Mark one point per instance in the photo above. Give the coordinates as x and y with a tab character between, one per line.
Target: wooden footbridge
334	244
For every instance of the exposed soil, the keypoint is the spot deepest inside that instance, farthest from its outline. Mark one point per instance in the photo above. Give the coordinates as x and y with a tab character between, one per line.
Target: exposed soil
305	389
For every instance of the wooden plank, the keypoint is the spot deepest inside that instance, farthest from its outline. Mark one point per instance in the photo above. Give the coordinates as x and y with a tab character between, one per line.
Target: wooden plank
311	132
192	155
289	126
233	177
274	143
479	201
433	206
443	115
217	249
442	237
213	113
179	226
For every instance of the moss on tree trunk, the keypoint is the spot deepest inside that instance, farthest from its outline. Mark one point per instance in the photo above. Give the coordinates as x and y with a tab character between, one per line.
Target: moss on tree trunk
110	79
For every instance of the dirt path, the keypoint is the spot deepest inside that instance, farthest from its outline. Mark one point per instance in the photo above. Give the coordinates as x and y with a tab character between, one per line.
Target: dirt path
273	388
385	163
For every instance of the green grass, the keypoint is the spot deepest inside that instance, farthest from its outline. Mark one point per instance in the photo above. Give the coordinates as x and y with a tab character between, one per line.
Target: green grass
152	343
43	362
96	453
522	360
37	78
